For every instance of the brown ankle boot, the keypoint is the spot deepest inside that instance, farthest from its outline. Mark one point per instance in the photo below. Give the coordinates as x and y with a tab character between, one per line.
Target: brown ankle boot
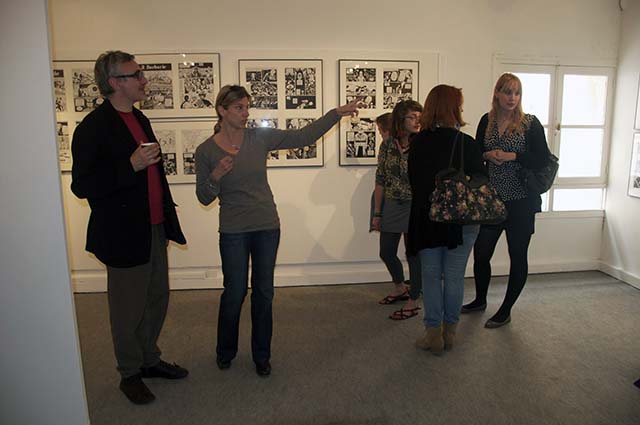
449	335
432	340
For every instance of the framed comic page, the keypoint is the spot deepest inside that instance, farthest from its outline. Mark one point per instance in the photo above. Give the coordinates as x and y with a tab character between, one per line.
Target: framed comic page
178	140
285	94
76	94
634	170
180	85
378	85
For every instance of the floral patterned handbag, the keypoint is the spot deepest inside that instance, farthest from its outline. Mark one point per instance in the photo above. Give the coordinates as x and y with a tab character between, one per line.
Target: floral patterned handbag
458	199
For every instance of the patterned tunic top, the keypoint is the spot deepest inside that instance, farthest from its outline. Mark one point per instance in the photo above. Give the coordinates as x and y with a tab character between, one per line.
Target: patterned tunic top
392	173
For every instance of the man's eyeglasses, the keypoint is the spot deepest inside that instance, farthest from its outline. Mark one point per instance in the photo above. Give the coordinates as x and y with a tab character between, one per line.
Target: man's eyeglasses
138	75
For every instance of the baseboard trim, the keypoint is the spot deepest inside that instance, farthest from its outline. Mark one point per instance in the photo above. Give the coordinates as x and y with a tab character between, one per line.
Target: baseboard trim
310	274
620	274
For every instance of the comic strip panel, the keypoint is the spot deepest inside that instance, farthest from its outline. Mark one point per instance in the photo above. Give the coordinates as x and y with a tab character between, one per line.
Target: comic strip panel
361	138
59	90
262	122
300	88
191	139
86	96
159	86
167	141
397	86
263	87
306	152
64	145
361	86
196	85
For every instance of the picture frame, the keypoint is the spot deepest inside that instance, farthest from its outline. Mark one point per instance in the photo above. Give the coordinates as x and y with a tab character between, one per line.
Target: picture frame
634	170
178	141
285	94
636	123
379	85
75	95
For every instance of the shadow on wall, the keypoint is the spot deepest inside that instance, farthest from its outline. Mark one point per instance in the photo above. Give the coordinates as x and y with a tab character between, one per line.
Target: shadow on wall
344	234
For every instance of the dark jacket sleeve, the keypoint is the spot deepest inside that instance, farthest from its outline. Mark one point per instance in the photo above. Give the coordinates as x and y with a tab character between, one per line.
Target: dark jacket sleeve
537	154
473	162
481	131
92	176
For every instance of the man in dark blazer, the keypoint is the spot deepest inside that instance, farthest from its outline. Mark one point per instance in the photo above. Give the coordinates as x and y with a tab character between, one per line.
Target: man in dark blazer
117	167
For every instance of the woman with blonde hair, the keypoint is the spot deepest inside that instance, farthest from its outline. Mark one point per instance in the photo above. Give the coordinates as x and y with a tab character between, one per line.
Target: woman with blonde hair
231	165
509	140
443	248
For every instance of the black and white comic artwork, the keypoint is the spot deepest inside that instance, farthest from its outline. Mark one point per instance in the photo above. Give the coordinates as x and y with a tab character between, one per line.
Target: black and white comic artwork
59	90
86	96
159	87
300	88
167	141
361	86
263	87
361	138
196	85
190	141
398	86
262	122
265	123
64	147
306	152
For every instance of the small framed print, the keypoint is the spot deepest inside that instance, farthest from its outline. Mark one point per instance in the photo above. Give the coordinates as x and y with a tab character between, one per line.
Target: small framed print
378	85
285	94
178	141
634	170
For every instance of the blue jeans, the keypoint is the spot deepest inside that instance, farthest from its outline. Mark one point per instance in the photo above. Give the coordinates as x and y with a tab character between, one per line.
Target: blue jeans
443	279
235	250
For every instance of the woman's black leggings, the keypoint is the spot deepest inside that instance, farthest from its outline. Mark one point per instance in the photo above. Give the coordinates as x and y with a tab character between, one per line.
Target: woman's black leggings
518	238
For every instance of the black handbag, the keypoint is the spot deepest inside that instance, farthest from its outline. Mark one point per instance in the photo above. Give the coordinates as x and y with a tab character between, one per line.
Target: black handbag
458	199
539	181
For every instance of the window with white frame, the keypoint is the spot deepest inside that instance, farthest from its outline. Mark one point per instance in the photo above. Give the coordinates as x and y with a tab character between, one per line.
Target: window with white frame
573	104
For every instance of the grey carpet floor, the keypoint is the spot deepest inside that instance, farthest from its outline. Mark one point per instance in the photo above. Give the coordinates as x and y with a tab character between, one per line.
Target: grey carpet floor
570	356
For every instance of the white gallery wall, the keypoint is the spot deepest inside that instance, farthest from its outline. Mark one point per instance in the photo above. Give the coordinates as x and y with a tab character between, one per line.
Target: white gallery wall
324	211
621	237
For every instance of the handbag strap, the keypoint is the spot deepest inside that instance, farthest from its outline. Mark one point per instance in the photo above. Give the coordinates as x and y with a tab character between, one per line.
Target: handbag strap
453	150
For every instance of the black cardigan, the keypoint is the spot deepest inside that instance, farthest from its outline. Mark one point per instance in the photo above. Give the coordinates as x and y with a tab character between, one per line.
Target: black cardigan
429	154
119	231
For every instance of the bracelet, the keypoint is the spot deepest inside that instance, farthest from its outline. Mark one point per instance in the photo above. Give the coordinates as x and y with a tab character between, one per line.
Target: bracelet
377	214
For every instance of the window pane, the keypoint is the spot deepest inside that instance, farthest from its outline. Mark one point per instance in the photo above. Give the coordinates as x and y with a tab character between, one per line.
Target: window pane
545	201
584	99
535	94
577	199
580	152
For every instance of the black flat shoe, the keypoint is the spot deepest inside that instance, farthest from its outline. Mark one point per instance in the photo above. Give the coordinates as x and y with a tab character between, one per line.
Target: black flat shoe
493	324
164	370
471	307
263	368
223	364
135	390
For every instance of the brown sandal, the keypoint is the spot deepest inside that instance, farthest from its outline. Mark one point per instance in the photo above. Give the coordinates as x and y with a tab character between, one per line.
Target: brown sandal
390	299
404	313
